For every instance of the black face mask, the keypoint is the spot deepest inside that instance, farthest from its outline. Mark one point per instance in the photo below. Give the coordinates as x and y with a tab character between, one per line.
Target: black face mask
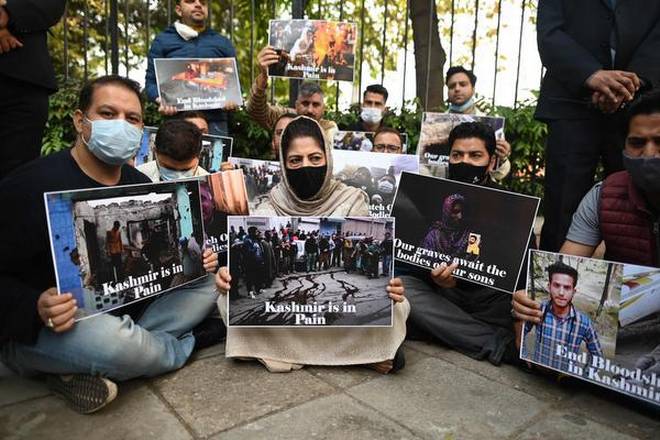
644	171
463	172
306	181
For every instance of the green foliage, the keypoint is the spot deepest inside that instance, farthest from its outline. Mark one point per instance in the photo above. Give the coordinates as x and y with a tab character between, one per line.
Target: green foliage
60	133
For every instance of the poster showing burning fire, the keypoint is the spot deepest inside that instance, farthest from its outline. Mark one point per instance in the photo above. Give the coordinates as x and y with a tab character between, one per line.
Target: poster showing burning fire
198	83
313	49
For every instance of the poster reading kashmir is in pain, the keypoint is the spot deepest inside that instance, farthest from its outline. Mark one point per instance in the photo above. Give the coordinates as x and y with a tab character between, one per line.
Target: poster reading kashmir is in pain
313	49
310	271
485	231
600	322
197	83
118	245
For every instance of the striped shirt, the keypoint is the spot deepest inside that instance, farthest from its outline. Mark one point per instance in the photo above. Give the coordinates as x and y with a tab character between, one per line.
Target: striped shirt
568	332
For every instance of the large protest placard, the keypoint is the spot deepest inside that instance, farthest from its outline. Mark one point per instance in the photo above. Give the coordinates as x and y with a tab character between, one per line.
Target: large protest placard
313	49
197	83
364	141
260	177
486	231
310	271
221	194
118	245
376	174
433	147
147	145
600	322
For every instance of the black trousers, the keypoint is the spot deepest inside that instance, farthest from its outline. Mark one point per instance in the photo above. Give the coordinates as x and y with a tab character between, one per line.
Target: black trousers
23	117
573	150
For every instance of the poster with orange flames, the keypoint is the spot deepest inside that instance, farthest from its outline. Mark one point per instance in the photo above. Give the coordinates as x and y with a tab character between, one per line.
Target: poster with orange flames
313	49
198	83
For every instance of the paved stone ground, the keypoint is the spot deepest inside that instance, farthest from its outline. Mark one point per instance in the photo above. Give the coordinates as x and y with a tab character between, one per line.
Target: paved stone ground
441	394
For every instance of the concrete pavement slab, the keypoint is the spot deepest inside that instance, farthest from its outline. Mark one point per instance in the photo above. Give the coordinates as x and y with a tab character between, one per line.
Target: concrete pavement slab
14	389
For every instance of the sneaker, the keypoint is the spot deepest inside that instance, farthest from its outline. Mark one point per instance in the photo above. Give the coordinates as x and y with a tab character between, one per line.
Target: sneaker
83	392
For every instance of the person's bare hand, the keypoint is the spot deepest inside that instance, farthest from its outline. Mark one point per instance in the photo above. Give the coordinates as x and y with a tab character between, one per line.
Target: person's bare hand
227	166
614	83
230	106
8	42
167	110
395	290
524	308
265	58
502	148
4	17
58	310
443	275
223	280
604	104
210	260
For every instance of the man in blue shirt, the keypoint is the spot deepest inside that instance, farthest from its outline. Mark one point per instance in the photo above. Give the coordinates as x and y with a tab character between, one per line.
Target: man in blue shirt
189	37
563	328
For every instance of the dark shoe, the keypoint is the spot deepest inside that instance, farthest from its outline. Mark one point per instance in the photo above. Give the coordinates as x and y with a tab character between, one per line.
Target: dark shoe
399	360
83	392
209	332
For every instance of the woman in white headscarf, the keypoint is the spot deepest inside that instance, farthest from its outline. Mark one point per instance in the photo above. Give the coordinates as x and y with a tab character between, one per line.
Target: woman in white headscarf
308	189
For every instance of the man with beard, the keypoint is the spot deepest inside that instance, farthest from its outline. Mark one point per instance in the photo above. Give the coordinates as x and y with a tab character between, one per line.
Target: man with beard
471	318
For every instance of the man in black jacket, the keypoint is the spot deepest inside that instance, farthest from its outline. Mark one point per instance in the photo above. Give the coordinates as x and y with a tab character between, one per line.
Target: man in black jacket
26	77
598	55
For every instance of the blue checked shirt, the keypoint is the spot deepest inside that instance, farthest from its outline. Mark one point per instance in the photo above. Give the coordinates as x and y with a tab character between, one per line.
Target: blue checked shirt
570	332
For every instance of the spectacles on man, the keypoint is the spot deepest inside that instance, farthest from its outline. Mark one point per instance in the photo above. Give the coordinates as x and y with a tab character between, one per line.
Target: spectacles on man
390	148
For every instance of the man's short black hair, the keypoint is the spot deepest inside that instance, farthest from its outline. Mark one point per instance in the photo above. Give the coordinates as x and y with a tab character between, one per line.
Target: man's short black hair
460	69
190	114
646	104
178	139
87	91
309	88
376	88
477	130
563	268
389	130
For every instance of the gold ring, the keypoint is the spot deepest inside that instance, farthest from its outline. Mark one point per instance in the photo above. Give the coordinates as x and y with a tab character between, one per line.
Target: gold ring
50	323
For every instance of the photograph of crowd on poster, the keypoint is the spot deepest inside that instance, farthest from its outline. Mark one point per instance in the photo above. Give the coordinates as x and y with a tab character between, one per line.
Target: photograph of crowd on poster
600	322
310	271
433	149
117	245
198	84
260	177
313	49
364	141
486	231
221	194
377	174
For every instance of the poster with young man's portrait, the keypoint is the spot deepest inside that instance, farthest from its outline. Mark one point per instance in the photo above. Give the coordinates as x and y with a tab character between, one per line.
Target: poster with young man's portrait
313	49
600	321
485	231
118	245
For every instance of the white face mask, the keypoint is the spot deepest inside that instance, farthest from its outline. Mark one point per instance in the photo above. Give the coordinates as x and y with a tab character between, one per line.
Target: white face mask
113	141
371	115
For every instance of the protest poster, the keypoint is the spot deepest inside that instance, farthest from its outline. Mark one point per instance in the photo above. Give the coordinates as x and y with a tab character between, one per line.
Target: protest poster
485	230
221	194
433	147
364	141
197	83
600	322
215	150
313	49
115	246
376	174
260	177
310	271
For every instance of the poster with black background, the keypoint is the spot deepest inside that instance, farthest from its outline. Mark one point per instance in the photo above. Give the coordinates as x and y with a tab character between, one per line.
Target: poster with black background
486	231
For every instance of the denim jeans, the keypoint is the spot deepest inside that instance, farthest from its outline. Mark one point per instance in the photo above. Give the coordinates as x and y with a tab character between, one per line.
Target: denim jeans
387	264
159	341
311	261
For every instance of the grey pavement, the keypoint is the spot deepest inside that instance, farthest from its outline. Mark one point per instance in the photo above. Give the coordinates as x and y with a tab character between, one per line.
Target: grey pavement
441	394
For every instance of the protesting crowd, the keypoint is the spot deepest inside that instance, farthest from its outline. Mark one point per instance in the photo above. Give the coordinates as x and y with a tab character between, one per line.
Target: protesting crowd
599	99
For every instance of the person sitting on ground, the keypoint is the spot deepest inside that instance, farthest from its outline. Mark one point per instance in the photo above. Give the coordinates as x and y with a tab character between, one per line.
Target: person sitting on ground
308	103
387	140
38	333
460	93
470	318
308	189
176	151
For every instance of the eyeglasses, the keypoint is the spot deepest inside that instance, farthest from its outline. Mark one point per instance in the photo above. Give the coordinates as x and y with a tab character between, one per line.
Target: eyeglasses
390	148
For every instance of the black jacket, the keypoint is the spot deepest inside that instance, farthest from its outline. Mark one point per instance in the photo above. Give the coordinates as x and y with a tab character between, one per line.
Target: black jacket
574	42
29	21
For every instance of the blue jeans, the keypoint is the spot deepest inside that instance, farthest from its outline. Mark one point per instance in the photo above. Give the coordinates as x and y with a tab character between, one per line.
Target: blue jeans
311	261
387	264
117	347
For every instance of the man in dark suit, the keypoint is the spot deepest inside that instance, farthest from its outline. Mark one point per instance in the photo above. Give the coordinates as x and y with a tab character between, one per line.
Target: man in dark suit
26	77
599	54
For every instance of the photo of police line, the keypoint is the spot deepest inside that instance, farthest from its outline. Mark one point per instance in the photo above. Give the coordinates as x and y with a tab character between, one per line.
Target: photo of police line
37	322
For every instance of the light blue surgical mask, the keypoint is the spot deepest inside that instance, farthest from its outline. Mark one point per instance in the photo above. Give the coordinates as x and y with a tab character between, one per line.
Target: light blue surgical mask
167	174
113	141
